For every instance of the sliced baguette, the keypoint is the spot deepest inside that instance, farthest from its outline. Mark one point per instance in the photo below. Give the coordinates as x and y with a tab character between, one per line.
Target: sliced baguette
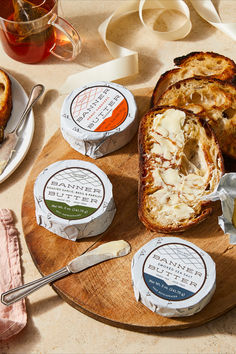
180	163
208	64
5	101
214	99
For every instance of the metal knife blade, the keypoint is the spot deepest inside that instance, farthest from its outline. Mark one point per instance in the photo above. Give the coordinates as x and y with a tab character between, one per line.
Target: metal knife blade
100	254
7	148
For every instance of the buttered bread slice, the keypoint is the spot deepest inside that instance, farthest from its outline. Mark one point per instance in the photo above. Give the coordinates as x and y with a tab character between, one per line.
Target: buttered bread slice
180	163
209	64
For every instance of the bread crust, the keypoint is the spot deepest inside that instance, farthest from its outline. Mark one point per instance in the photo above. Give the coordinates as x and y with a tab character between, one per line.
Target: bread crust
5	99
228	73
210	64
148	162
214	99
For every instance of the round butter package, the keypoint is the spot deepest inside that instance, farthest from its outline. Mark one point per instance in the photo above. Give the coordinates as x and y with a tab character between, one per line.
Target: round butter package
99	118
74	199
173	277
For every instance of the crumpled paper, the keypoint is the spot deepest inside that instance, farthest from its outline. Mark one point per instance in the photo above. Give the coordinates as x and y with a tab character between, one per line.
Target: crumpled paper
226	193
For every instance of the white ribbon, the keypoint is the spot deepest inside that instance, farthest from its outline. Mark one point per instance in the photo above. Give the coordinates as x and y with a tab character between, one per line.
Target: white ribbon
125	62
165	5
206	10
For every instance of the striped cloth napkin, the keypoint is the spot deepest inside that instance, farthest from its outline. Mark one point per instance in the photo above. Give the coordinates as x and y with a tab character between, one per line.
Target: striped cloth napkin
13	318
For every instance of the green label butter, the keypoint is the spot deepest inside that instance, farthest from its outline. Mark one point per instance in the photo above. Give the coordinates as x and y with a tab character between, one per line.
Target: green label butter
74	193
74	199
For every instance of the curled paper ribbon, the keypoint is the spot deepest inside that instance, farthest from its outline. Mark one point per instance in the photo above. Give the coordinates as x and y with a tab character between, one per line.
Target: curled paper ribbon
206	10
125	62
165	5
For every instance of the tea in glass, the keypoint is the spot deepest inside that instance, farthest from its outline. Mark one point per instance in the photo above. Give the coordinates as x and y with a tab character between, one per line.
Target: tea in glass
30	30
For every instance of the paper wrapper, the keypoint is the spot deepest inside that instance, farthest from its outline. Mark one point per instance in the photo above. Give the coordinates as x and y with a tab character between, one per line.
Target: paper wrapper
155	271
99	118
226	193
74	199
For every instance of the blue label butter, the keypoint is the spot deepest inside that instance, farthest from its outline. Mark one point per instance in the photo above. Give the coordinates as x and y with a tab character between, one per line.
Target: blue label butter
173	277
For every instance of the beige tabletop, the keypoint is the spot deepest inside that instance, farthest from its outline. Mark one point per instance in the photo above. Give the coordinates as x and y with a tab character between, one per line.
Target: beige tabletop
53	325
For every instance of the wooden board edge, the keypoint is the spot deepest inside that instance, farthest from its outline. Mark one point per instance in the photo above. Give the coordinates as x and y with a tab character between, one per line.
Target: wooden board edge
136	328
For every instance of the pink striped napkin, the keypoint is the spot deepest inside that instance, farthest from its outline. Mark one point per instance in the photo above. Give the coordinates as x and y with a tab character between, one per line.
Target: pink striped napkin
13	318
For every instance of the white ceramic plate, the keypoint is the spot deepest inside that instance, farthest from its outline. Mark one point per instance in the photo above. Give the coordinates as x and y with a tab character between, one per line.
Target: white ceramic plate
25	133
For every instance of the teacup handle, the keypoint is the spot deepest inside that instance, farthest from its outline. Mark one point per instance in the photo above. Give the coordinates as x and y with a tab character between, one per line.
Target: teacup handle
72	36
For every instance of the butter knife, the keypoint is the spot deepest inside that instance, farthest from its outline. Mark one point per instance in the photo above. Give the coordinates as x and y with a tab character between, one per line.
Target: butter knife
100	254
10	140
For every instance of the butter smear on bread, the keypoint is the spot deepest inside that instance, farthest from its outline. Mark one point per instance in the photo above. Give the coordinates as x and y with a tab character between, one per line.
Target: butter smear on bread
180	163
171	142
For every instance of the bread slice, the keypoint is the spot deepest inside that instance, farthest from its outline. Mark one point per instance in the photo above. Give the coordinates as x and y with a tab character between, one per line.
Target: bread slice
214	99
208	64
5	101
180	163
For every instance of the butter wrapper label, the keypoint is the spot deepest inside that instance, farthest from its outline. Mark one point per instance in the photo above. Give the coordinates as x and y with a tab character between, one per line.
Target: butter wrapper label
174	272
74	193
99	108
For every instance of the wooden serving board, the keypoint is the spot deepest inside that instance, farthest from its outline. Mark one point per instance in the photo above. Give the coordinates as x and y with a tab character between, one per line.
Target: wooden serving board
104	291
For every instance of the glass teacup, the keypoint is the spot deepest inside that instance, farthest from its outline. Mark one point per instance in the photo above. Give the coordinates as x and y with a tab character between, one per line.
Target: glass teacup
31	40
